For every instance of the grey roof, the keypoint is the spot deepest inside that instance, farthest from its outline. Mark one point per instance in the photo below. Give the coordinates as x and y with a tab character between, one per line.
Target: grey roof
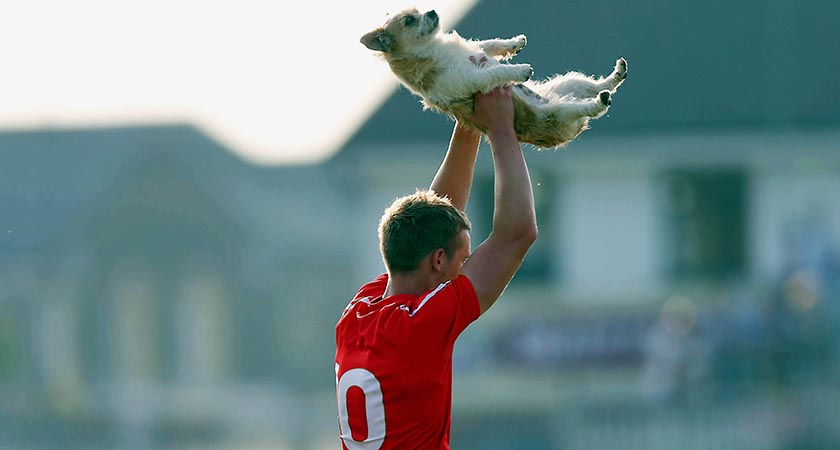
49	179
73	185
692	64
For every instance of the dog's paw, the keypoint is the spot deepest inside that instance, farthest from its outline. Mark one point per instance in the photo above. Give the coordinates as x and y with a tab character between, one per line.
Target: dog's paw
518	43
524	73
605	98
621	68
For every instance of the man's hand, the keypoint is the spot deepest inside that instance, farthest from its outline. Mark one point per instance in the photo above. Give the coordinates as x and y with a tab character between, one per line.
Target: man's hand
493	110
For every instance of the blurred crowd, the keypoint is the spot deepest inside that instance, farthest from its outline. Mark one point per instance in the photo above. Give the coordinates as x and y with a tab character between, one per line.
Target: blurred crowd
777	345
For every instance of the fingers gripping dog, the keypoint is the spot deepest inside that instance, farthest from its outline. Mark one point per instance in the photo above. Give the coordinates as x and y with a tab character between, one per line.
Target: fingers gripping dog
445	70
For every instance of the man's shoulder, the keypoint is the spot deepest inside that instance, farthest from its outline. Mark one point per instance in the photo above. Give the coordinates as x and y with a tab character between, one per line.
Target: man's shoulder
449	295
373	288
460	286
367	293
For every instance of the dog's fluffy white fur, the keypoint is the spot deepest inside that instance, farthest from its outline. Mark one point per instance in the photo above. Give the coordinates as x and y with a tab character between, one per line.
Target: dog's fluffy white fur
445	70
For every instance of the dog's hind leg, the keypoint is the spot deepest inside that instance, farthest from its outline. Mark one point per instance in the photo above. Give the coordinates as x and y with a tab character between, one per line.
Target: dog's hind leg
503	48
618	75
592	108
578	85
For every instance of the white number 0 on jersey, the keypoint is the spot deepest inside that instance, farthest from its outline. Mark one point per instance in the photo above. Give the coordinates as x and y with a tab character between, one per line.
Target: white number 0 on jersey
374	409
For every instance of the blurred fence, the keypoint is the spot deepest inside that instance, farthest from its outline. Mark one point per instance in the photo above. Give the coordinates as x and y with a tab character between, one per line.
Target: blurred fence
748	418
788	420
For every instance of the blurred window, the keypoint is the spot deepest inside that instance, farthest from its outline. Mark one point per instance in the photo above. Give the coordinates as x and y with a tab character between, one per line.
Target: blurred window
540	263
203	328
136	326
705	223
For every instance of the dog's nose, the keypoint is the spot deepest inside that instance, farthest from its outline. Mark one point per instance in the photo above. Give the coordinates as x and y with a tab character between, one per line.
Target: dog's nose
432	14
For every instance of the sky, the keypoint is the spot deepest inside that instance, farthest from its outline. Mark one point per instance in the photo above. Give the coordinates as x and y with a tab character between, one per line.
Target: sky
276	84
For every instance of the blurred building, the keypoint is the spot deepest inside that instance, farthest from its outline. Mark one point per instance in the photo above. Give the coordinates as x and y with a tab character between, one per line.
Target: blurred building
154	288
157	292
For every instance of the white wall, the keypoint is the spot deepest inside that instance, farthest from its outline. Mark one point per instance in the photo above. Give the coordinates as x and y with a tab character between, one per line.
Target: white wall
608	232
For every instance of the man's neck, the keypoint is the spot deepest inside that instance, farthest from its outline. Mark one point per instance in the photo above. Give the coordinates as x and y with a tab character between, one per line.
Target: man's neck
413	283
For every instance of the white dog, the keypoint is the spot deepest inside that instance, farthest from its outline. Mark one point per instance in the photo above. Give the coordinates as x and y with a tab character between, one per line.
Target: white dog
446	70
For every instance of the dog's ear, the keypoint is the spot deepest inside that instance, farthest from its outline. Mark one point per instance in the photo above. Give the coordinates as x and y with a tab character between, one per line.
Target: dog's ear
379	39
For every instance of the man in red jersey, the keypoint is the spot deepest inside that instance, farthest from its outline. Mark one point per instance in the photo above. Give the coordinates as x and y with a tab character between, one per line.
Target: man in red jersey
394	341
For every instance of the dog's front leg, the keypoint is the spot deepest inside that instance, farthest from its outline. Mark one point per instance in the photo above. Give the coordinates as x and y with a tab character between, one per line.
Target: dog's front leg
503	48
487	78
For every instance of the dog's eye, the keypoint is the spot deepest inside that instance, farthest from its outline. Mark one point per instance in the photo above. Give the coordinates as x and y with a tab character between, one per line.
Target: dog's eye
410	21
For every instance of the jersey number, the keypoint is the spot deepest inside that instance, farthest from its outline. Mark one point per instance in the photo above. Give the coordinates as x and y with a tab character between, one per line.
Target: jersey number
374	409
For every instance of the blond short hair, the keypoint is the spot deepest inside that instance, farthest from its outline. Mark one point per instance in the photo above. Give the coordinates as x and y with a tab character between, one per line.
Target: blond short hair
416	225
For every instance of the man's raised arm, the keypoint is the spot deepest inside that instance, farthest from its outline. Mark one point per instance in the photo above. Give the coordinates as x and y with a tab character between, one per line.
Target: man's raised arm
455	175
493	264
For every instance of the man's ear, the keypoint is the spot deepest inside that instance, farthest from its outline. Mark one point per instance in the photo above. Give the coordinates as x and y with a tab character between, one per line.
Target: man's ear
438	259
379	40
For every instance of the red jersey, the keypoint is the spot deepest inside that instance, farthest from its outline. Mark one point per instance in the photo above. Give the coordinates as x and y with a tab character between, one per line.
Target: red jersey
393	365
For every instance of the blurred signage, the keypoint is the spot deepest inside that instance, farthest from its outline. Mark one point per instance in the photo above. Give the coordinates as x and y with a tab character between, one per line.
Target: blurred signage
574	342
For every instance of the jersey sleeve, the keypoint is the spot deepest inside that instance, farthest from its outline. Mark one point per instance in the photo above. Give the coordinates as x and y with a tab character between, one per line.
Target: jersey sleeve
446	311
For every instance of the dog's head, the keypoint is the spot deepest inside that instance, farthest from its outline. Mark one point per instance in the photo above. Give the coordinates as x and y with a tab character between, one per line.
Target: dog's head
403	32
